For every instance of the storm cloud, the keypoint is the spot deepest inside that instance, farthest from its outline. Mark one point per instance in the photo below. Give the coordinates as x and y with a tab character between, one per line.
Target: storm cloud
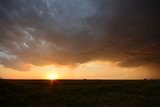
71	32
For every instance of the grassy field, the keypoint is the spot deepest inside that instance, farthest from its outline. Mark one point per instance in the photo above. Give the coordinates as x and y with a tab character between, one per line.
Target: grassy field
79	93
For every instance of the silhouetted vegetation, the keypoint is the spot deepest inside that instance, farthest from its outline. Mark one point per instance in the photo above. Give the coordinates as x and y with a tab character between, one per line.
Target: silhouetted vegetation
79	93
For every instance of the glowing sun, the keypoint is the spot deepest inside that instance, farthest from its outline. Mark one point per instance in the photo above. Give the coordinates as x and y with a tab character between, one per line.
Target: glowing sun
52	76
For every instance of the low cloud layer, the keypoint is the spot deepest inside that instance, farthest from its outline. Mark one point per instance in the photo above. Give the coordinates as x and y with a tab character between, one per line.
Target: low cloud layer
71	32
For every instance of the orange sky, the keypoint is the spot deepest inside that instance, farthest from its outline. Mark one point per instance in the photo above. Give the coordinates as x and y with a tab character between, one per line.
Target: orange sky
90	70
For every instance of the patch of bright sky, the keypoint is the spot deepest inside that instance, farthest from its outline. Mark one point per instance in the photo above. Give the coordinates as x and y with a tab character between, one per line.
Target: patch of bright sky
90	70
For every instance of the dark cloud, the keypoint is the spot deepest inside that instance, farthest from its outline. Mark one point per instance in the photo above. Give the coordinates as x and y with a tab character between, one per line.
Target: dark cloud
69	32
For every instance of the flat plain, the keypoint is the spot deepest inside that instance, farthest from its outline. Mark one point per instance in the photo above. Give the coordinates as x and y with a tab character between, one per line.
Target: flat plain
79	93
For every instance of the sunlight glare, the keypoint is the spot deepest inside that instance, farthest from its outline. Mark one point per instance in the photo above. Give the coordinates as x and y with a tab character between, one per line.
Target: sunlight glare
52	76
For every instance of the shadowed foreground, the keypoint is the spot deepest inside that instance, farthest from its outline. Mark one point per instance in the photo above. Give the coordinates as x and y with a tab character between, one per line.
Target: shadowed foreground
62	93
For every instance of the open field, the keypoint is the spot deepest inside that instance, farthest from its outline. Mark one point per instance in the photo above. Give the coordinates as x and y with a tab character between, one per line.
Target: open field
74	93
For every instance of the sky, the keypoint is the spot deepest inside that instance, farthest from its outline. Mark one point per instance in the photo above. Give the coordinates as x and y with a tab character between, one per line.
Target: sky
80	39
